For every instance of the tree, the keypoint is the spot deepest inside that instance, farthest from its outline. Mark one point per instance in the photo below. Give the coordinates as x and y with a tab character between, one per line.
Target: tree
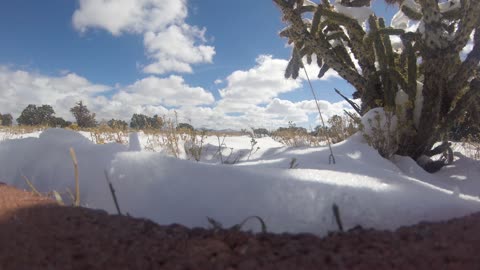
33	115
59	122
84	118
425	66
155	122
260	132
117	124
139	121
6	119
185	126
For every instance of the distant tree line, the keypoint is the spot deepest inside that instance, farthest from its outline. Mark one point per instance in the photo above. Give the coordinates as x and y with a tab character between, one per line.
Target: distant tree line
44	115
141	121
41	116
338	127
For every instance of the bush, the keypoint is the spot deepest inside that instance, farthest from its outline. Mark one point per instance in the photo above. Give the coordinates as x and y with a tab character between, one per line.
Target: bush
6	119
35	116
185	126
339	129
59	122
260	132
84	118
117	124
141	121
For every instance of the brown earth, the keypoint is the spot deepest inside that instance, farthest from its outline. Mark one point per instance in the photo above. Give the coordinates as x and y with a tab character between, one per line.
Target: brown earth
35	233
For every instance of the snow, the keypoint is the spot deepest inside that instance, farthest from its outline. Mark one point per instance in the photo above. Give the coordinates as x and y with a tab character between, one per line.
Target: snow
134	142
418	105
449	5
378	118
401	21
401	102
361	14
370	191
412	5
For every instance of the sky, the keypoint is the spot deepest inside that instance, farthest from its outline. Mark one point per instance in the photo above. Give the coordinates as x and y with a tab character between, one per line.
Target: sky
218	64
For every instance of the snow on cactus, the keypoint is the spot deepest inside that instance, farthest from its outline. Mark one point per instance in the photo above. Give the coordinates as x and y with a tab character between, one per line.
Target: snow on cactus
379	128
418	54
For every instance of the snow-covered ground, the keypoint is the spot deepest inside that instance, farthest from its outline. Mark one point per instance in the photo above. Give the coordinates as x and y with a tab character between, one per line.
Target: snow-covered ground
369	190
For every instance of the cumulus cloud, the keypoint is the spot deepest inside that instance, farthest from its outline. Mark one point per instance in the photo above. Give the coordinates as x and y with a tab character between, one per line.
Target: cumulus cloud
171	91
150	95
175	49
250	98
257	85
262	83
276	113
134	16
19	88
171	44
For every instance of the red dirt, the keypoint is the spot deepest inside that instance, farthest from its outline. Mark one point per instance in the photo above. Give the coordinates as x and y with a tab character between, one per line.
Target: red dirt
35	233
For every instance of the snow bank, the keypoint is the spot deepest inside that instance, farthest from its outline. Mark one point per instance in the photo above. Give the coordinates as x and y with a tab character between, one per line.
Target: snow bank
47	163
369	190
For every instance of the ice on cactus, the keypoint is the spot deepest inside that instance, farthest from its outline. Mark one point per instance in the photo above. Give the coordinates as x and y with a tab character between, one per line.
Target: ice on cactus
418	106
360	14
449	5
401	102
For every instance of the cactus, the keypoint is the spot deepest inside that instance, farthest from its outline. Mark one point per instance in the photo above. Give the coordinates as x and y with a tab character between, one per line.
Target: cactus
430	56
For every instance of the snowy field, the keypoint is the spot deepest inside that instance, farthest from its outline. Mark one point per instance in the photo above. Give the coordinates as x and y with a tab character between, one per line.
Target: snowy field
292	189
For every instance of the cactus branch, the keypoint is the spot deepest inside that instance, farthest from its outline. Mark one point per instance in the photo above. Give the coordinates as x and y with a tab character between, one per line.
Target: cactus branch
321	47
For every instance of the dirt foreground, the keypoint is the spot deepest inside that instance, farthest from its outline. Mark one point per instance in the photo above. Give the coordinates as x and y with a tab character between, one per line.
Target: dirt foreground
35	233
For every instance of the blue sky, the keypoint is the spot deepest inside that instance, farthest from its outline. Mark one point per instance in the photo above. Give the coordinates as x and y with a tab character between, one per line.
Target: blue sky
217	63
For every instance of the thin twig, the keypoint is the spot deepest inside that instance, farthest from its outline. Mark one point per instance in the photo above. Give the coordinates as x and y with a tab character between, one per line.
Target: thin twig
112	190
336	213
331	158
32	187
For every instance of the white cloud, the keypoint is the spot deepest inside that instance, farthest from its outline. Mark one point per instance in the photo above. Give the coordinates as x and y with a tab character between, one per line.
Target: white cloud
313	69
218	81
328	109
171	44
262	83
19	88
276	113
257	85
171	91
250	98
179	52
149	96
286	111
132	16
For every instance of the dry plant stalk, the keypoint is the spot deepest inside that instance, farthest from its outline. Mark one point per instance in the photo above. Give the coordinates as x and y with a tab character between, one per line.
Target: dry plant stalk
77	182
32	187
112	191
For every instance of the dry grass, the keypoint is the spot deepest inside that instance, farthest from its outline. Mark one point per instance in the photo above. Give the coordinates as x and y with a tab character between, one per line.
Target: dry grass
470	147
105	134
294	138
75	198
17	131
